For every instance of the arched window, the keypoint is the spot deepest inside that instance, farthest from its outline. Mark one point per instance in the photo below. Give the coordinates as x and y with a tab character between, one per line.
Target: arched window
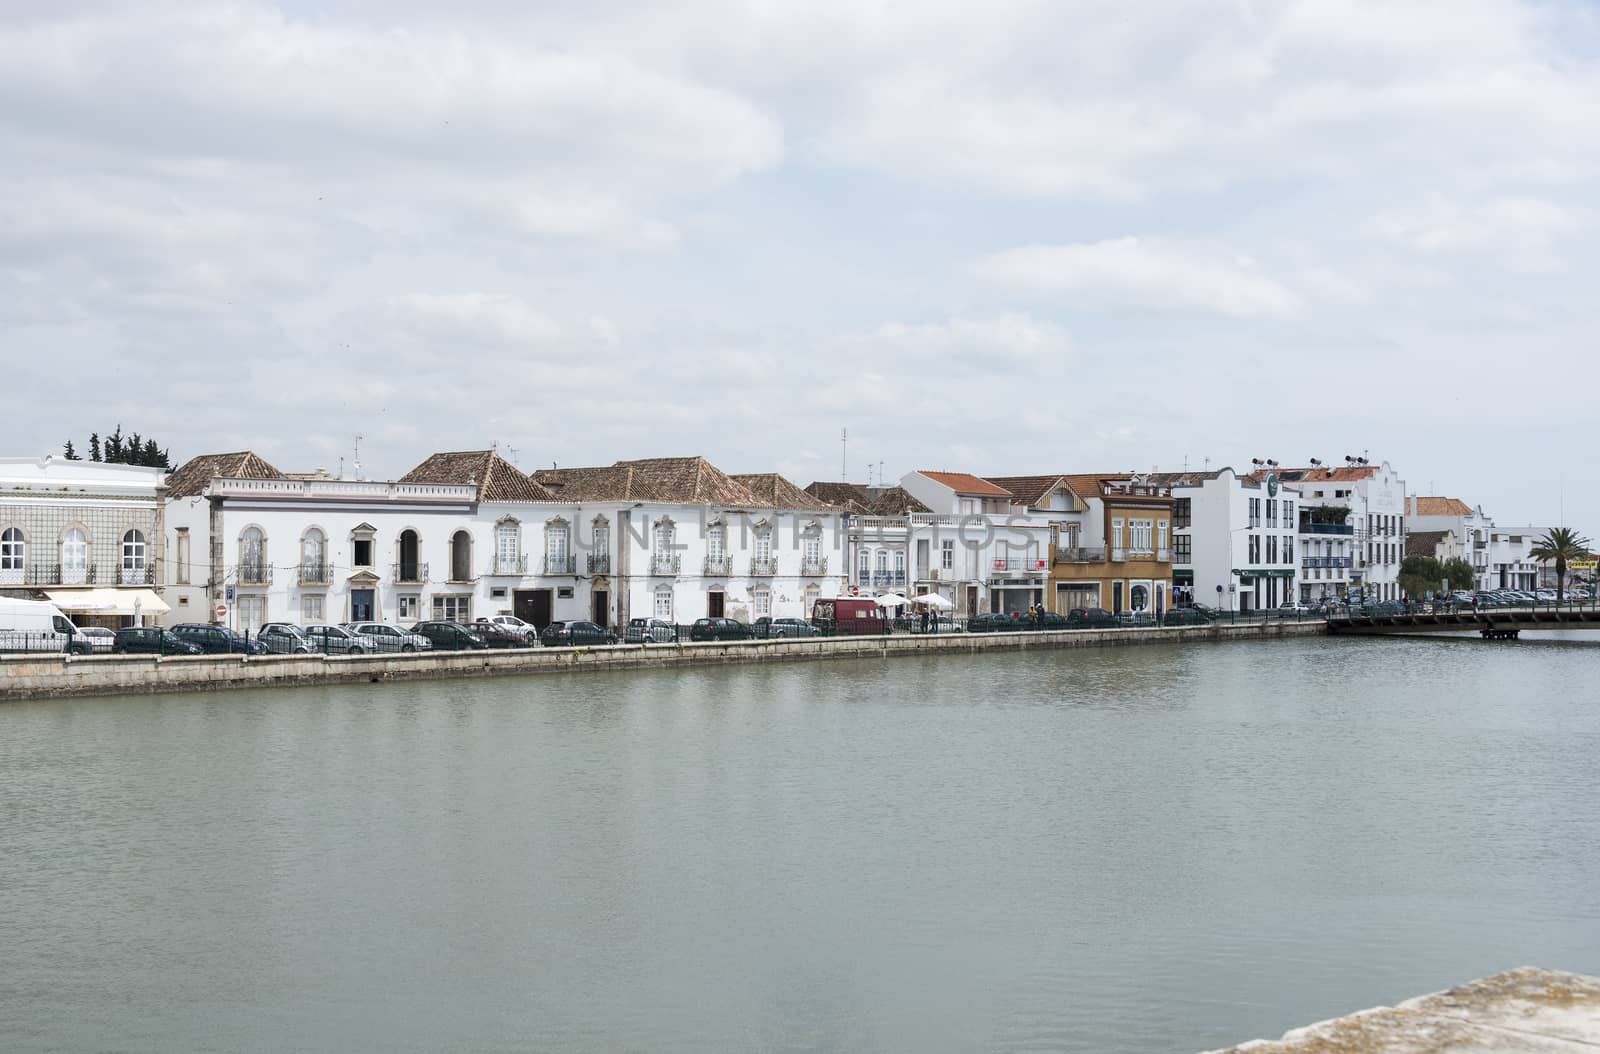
461	557
600	543
74	557
717	550
663	558
899	567
13	555
252	555
761	602
813	591
133	557
508	548
557	548
664	603
1139	597
411	568
763	563
313	556
865	576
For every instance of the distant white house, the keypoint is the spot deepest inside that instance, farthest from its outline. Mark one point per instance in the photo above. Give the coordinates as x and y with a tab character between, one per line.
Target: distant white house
1237	532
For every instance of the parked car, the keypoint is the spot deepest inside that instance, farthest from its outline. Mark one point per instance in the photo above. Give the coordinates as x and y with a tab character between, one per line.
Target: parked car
284	638
1052	620
385	637
1291	609
528	630
150	640
336	640
1185	617
767	627
649	631
994	622
217	640
575	635
1091	618
449	636
719	629
92	640
499	635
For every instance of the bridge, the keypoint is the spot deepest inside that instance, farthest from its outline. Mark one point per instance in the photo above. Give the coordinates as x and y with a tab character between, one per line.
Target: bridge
1492	623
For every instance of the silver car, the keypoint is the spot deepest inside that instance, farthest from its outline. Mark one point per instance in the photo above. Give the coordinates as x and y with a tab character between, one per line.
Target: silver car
389	638
524	628
336	640
284	638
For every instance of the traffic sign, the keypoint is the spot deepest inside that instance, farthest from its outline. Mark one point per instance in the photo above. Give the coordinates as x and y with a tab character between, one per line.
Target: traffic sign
221	611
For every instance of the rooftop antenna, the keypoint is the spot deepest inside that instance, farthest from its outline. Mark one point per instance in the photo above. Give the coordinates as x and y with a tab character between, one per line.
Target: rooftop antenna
880	473
513	452
341	466
844	449
1208	464
357	461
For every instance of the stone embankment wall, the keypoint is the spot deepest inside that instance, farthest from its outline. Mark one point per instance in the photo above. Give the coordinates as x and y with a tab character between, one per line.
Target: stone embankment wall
38	676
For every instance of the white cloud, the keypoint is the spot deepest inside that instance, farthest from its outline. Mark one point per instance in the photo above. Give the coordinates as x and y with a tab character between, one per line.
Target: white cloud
492	316
1128	274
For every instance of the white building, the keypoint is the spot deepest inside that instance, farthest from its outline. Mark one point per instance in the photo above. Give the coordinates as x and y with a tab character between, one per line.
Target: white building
977	546
84	535
1352	529
693	542
1469	525
1236	532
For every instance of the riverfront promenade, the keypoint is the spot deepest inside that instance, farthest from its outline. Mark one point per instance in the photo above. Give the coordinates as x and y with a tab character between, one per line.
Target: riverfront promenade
1523	1011
36	676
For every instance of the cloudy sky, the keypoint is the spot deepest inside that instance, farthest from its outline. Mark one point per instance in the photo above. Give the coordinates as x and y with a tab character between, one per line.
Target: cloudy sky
1017	236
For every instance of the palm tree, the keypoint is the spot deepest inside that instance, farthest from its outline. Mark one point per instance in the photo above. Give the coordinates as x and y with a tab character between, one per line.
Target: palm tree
1560	544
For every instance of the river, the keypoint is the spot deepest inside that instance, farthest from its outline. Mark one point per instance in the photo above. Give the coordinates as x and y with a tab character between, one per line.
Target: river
1103	850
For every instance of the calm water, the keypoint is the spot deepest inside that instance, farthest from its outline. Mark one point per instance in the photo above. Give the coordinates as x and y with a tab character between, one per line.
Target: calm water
1153	849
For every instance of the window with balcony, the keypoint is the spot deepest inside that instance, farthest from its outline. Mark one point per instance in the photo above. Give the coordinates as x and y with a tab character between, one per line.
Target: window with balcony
252	556
899	567
133	557
74	556
864	568
13	555
508	548
600	546
313	557
558	548
763	564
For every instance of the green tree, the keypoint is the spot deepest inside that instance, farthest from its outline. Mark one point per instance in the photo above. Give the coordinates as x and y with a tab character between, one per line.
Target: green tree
1420	574
94	446
1458	574
1561	545
113	447
71	454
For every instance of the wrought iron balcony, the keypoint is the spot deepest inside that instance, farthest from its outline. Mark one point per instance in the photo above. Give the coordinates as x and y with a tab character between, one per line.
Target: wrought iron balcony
663	564
818	565
1095	554
314	574
1018	566
880	579
508	565
560	565
719	565
599	563
1328	528
409	573
253	574
52	575
144	575
763	566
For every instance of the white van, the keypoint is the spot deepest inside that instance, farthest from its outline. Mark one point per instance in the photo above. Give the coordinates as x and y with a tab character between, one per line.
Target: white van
33	625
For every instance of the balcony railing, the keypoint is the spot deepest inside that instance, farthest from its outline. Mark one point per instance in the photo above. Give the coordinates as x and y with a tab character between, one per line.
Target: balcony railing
875	578
1094	554
141	575
52	575
599	563
508	565
1328	528
313	574
1019	565
719	565
409	573
763	566
559	564
818	565
1326	561
664	563
255	574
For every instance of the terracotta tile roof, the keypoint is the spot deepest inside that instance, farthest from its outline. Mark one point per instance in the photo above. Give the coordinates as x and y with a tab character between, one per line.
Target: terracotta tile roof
966	483
191	477
1028	490
670	480
852	497
1424	543
1326	473
1087	484
867	501
778	492
1441	507
497	478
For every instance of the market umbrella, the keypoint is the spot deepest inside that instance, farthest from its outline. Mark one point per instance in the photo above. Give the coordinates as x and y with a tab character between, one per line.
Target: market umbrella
892	600
934	600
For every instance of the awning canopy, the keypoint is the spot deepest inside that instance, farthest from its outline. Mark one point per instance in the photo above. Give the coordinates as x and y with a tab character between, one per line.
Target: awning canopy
108	601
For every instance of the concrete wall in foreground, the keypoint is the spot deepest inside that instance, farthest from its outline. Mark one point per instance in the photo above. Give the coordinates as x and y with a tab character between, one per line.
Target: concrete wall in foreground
29	677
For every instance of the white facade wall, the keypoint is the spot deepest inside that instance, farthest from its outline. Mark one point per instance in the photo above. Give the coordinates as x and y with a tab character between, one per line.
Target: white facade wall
1221	529
1377	542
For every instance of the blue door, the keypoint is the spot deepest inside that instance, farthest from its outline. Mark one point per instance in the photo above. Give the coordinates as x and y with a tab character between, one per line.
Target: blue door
360	605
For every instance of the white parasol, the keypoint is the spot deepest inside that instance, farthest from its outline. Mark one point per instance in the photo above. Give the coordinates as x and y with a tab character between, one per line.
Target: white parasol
892	600
934	600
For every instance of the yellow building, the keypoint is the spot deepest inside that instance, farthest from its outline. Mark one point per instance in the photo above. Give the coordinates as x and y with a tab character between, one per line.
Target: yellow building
1119	555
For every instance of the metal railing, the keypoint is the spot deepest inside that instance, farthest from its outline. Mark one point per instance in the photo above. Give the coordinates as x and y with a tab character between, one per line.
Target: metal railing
1016	564
1328	528
509	565
662	564
560	565
408	573
818	565
314	574
718	565
876	578
763	566
142	575
255	574
1095	554
599	563
57	575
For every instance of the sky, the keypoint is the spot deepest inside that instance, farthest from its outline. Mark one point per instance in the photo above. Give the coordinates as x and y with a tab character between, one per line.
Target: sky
1017	237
